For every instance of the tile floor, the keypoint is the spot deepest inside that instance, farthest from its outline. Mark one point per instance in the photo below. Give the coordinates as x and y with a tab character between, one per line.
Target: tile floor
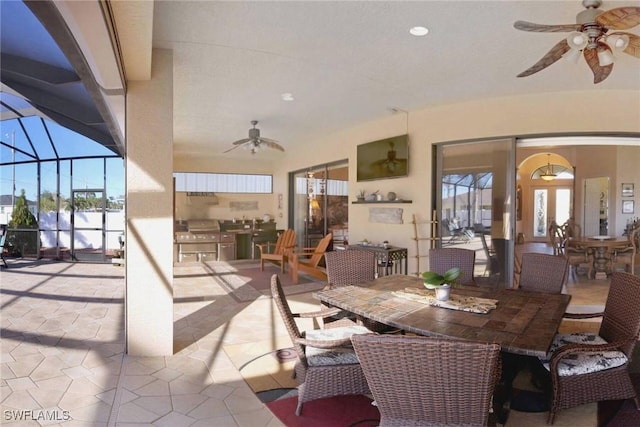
63	361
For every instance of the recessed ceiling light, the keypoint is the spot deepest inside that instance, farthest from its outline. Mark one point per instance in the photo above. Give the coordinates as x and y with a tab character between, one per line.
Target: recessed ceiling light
287	96
419	31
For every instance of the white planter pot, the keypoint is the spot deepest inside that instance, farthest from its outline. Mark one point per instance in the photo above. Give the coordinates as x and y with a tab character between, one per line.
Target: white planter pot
443	292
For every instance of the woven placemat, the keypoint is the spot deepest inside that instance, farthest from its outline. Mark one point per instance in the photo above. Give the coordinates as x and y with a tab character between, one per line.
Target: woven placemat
455	302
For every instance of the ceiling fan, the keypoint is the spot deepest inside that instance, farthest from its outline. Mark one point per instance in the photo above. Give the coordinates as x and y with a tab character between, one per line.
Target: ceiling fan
255	141
589	35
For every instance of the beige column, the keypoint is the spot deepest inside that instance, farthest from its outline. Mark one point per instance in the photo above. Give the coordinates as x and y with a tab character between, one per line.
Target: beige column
149	211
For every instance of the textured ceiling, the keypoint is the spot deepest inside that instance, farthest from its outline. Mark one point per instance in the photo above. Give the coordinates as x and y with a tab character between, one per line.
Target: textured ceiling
350	62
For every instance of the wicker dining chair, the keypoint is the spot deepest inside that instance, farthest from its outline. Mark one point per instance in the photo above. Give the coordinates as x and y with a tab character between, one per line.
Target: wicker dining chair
543	272
586	367
348	267
354	267
327	365
420	381
443	259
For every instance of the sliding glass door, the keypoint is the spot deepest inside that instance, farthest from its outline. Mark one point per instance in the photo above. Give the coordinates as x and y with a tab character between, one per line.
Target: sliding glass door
475	203
319	203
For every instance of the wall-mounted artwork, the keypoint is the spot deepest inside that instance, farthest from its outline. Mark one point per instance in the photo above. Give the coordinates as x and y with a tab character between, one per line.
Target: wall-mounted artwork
386	158
627	207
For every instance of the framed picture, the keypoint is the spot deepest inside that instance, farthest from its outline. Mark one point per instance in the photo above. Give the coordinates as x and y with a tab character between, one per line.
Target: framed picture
627	189
627	207
386	158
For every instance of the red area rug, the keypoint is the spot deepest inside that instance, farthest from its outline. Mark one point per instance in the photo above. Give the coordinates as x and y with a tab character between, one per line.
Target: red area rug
340	411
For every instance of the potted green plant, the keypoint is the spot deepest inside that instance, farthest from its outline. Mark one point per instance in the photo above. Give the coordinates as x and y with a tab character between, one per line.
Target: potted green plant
441	283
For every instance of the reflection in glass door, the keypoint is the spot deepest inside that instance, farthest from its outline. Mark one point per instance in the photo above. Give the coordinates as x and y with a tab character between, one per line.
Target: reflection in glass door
475	203
319	204
88	225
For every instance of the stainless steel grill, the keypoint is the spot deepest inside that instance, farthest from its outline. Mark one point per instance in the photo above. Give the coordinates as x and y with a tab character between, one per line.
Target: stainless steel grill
200	241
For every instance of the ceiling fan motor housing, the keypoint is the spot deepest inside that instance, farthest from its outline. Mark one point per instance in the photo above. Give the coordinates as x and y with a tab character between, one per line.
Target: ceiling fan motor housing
254	133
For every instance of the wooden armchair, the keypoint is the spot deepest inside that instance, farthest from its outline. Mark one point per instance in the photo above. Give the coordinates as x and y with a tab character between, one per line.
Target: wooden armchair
307	260
285	244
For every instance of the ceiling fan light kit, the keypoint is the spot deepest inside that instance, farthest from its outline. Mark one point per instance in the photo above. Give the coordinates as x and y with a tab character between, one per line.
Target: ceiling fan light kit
589	37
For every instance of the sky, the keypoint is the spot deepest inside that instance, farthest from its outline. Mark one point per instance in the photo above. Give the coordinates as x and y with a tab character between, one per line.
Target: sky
87	173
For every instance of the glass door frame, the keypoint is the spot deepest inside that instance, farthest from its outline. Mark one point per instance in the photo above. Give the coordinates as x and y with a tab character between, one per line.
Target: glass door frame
301	224
508	210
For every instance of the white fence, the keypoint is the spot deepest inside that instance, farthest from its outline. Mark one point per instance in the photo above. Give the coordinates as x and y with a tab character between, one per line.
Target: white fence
84	239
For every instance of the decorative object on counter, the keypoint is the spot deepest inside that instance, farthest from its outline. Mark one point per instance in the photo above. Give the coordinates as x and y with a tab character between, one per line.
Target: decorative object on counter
391	196
360	196
385	244
266	217
441	283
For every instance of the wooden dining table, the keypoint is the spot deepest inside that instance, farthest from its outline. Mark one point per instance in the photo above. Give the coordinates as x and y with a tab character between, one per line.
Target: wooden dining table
601	247
522	322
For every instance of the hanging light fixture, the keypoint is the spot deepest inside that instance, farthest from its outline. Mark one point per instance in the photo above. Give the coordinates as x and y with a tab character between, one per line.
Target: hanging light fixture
548	174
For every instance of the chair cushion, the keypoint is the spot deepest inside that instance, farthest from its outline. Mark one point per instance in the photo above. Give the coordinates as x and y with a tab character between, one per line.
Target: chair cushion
584	363
336	356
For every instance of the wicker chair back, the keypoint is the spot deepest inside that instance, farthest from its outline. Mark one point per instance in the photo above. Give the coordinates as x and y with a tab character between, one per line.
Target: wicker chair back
419	381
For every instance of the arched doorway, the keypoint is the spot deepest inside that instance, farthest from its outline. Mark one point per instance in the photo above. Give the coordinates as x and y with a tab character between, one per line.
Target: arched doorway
545	193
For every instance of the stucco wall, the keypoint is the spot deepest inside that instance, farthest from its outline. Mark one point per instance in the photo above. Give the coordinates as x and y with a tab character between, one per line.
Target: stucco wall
542	114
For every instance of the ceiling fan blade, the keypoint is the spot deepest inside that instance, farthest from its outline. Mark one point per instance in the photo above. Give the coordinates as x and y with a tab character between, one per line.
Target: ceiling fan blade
241	141
541	28
552	56
271	144
263	139
634	43
231	149
621	18
599	72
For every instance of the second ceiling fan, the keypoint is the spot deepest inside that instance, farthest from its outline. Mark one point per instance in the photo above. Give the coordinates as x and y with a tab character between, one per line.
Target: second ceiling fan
590	35
255	142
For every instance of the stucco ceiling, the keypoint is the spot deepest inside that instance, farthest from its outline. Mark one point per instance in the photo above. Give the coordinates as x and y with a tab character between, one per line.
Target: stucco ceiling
350	62
345	63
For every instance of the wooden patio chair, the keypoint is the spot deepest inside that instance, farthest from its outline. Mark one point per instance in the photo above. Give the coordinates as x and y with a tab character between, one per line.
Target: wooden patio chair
420	381
586	367
443	259
542	272
285	243
307	260
327	365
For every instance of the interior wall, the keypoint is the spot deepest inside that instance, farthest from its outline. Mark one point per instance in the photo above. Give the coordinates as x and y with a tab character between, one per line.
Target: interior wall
530	115
543	114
